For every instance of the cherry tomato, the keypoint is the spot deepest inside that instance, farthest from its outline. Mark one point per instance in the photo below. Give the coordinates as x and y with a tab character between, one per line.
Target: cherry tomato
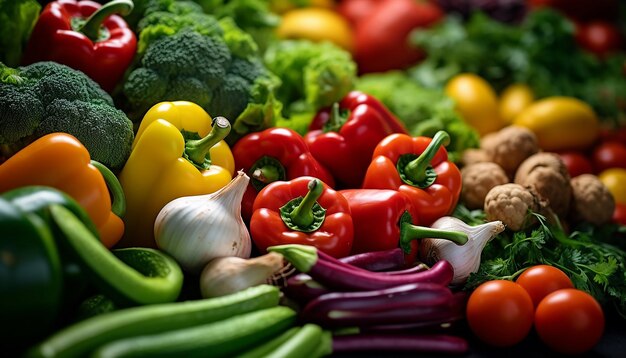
599	37
569	321
619	214
609	155
576	163
541	280
500	313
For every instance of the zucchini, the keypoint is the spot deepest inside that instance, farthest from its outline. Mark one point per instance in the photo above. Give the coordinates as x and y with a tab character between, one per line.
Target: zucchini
83	337
219	339
268	347
138	276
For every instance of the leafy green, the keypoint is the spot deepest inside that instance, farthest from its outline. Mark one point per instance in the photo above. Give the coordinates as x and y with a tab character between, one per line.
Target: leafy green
541	52
424	111
313	75
17	19
592	264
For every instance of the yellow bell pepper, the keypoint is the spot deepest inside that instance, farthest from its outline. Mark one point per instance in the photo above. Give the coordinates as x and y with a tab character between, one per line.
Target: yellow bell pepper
316	24
168	161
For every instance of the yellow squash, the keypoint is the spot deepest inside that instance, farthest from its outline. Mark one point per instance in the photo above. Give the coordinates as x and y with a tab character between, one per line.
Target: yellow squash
560	123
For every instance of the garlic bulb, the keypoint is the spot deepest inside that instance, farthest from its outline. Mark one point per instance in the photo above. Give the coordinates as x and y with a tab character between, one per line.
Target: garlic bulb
464	258
197	229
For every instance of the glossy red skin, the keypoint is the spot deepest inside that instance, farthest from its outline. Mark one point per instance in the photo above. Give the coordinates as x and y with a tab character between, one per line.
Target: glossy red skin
599	37
431	203
619	214
500	313
375	215
348	152
284	145
611	154
355	10
541	280
381	38
53	39
267	228
577	163
569	321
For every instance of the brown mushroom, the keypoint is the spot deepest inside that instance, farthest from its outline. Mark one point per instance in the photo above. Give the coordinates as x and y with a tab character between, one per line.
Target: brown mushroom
591	200
510	146
548	176
511	203
478	179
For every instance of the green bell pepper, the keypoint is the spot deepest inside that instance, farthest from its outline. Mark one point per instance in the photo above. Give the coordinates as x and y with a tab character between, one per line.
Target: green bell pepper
30	275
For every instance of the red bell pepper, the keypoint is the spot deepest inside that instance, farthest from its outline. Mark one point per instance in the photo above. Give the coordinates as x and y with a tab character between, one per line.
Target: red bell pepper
86	36
419	168
381	38
377	216
271	155
343	137
387	219
302	211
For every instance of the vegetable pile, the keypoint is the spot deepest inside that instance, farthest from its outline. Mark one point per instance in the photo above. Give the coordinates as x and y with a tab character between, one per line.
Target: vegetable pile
308	178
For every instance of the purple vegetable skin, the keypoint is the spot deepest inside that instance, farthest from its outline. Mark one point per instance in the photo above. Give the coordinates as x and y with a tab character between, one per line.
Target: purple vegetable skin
400	343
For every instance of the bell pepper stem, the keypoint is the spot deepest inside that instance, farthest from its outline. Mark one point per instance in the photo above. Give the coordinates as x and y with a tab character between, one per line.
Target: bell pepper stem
266	174
118	199
416	169
409	232
91	28
335	119
197	151
302	215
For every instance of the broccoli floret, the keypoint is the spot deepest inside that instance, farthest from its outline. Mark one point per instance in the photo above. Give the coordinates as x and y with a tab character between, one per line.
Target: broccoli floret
187	54
48	97
218	70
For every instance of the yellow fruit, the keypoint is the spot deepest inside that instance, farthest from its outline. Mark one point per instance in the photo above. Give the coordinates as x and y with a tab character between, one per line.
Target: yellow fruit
316	24
476	101
615	179
560	123
513	100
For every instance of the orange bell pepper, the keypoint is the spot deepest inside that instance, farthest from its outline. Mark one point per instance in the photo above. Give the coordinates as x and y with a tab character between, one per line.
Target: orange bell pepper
60	161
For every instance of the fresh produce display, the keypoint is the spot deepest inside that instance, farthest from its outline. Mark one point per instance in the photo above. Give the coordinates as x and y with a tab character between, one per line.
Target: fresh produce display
311	178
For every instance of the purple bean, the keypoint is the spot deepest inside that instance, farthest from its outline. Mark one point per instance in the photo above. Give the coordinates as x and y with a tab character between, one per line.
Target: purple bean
302	288
400	343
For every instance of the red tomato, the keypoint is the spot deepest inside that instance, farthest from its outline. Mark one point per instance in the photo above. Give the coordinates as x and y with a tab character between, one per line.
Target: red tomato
355	10
599	37
609	155
569	321
500	313
541	280
576	163
619	214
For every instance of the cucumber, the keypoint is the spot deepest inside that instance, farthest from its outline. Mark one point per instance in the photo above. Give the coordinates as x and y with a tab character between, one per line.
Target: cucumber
144	276
268	347
307	341
82	338
219	339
